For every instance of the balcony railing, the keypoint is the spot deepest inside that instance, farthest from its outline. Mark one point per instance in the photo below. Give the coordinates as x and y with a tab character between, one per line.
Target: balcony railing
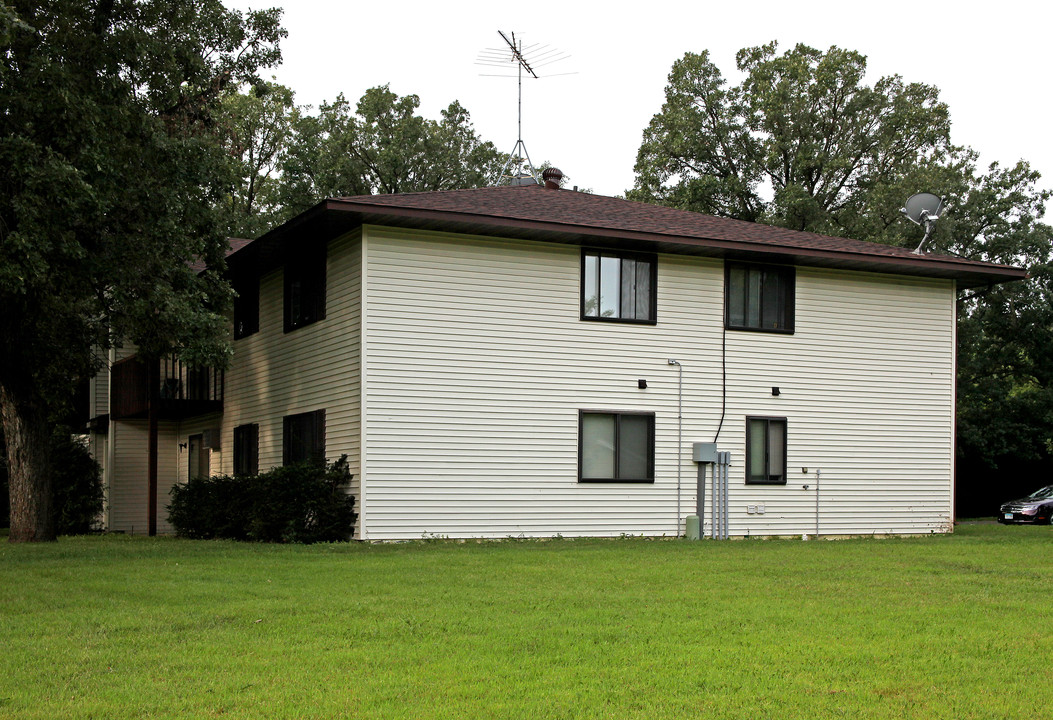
175	390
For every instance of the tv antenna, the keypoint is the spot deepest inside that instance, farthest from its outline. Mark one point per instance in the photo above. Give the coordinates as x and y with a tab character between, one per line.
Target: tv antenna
923	209
530	58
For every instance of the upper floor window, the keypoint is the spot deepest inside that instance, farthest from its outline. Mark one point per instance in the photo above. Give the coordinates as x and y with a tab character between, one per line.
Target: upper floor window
615	447
759	297
305	288
246	303
766	451
618	286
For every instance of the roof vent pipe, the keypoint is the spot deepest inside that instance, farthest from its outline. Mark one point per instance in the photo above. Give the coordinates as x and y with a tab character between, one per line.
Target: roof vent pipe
552	177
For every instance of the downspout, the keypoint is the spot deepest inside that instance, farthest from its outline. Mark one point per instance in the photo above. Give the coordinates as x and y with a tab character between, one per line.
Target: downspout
679	434
153	374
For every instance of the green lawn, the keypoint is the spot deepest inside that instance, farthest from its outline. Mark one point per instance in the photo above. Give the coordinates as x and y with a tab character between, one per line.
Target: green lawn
934	627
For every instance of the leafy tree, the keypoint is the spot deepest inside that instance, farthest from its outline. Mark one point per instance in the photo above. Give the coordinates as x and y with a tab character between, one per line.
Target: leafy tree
803	143
383	147
256	127
1005	340
801	129
109	166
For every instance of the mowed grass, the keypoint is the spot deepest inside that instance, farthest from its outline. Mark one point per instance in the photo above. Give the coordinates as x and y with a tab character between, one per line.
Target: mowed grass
936	627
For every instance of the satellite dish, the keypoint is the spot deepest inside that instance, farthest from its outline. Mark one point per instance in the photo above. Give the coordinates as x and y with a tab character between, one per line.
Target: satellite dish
923	209
922	206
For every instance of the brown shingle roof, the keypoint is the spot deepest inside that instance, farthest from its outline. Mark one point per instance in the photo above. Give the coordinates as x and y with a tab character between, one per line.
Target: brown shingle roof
233	245
576	209
581	218
236	244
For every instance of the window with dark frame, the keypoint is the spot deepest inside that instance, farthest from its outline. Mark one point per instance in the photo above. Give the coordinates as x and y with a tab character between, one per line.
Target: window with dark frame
759	297
615	447
198	457
246	303
303	438
765	451
305	288
247	449
618	286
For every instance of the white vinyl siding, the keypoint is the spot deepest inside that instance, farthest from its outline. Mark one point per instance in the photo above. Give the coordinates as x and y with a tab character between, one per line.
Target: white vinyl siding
461	364
99	387
477	365
867	385
128	489
315	367
273	374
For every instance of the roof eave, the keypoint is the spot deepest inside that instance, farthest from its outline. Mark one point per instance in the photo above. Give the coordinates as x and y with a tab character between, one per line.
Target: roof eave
334	217
968	274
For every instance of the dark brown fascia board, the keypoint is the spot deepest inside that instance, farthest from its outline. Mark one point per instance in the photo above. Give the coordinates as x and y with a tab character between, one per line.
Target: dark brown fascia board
268	251
969	273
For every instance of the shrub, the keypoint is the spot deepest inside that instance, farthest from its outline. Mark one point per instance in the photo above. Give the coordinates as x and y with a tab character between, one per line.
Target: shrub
302	503
212	507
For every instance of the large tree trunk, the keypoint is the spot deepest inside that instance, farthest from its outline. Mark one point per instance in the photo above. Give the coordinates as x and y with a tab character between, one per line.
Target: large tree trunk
26	433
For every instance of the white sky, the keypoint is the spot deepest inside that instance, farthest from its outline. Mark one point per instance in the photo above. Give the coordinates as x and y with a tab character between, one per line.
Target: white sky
989	60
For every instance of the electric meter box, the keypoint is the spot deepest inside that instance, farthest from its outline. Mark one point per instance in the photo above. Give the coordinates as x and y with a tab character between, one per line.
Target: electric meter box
704	452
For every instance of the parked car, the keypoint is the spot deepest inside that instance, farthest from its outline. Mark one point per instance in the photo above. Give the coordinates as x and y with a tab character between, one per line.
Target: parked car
1035	508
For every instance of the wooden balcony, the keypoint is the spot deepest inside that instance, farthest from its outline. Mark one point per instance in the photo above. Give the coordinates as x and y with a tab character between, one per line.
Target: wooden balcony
173	389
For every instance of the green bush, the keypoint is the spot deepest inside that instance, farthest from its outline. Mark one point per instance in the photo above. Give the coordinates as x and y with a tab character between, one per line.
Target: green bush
213	507
302	503
76	485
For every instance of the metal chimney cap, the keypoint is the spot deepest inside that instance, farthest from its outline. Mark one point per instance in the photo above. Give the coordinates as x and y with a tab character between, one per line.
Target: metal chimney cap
552	177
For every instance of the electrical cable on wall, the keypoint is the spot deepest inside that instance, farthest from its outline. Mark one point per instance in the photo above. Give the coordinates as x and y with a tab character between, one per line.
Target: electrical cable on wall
723	377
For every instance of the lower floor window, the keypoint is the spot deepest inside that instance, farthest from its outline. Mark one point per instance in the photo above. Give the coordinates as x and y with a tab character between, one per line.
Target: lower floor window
247	449
303	438
615	447
766	450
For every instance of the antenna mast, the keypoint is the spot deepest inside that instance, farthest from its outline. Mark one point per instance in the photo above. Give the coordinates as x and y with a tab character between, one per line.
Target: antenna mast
525	58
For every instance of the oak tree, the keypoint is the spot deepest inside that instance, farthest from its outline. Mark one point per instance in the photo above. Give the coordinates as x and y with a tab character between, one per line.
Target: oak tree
256	127
801	142
110	171
383	145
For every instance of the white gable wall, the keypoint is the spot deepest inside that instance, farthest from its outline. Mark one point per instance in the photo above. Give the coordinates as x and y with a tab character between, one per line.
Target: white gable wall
315	367
476	364
469	364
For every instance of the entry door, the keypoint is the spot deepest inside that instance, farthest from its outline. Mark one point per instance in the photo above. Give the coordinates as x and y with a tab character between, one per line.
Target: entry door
197	462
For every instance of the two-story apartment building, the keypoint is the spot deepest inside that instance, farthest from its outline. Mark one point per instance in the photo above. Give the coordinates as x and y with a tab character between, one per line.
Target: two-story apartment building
497	362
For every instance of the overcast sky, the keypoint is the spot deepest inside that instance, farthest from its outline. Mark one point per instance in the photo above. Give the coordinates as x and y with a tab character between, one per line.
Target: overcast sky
990	62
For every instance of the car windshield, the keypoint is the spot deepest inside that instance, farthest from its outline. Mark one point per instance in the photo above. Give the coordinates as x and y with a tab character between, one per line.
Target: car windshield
1042	494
